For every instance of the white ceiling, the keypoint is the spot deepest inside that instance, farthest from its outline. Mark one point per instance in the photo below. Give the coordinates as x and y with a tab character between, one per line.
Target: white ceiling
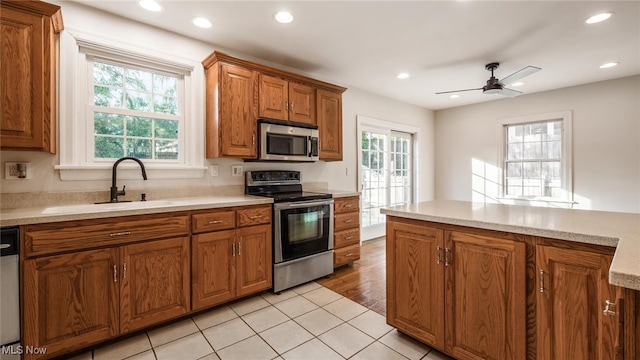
444	45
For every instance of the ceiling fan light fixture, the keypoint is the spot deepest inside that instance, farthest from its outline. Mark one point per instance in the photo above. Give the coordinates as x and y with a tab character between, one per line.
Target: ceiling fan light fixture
283	17
150	5
608	65
454	96
201	22
516	84
403	75
598	18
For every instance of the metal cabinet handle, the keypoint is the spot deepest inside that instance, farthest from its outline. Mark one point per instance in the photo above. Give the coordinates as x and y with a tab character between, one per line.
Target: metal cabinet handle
541	280
447	262
124	270
239	249
233	249
348	237
115	273
120	233
348	221
292	107
348	205
213	222
253	139
349	255
607	311
286	105
438	255
255	217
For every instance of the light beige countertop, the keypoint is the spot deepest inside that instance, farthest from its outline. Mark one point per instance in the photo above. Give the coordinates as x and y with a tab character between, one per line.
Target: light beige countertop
335	193
620	230
39	215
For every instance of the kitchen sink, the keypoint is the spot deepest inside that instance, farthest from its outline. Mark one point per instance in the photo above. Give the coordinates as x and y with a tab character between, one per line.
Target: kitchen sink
84	208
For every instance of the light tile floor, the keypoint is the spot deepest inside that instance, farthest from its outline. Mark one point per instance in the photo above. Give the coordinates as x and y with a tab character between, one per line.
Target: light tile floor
307	322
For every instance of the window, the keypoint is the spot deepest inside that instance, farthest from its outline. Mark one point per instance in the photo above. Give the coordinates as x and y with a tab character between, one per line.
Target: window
135	112
537	157
119	101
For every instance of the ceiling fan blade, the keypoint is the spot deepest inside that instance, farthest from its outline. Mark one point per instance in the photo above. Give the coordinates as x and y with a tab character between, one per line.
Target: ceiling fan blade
526	71
455	91
509	92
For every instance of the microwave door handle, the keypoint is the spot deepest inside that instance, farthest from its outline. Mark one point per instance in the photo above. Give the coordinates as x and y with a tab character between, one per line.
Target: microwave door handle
310	146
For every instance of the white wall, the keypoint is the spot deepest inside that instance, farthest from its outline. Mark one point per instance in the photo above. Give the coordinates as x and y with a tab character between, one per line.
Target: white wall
144	38
606	143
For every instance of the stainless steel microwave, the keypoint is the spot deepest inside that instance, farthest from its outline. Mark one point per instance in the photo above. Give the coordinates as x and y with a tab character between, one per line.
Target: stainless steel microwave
287	142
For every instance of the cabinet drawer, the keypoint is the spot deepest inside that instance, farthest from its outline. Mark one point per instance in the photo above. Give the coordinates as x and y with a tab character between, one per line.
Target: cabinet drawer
254	216
344	205
346	255
346	238
346	221
213	221
78	235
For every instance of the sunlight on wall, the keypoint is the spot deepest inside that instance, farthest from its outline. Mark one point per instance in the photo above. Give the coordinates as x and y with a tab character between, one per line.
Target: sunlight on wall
486	181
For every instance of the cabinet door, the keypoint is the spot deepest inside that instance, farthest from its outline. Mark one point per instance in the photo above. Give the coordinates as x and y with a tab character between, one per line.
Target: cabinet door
485	297
302	103
238	109
70	301
571	299
155	282
274	97
254	264
330	124
27	89
212	269
415	286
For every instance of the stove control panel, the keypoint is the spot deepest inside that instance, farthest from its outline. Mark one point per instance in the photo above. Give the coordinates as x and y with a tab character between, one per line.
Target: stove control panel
272	177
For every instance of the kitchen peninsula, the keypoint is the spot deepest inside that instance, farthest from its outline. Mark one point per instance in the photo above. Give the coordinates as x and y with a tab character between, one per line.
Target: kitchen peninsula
480	280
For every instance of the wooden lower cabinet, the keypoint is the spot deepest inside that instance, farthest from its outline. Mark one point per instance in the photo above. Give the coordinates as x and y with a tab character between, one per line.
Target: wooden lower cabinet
212	268
346	230
460	292
253	259
70	301
572	296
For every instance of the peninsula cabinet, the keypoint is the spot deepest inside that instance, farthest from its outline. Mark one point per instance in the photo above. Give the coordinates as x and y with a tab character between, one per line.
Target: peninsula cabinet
330	124
231	254
29	58
111	279
575	322
460	292
287	100
238	92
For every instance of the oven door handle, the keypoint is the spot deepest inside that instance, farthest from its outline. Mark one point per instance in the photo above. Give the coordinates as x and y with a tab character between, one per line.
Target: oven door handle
301	204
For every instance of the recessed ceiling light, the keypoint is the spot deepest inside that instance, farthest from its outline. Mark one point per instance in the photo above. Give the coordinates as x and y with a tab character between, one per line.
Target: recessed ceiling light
598	18
454	96
283	17
201	22
516	84
150	5
608	65
403	75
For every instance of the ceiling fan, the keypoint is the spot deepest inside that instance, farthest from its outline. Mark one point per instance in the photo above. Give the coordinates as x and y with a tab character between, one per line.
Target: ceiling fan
496	86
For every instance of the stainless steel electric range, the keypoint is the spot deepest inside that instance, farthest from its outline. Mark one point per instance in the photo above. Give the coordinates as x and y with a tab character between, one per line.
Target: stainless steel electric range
302	227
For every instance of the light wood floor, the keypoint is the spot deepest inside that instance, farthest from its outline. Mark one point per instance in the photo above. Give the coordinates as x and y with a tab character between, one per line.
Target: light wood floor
365	281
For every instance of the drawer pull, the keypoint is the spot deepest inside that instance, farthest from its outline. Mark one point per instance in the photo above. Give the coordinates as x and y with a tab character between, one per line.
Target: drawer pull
348	206
214	222
607	311
348	221
115	273
348	237
120	233
349	255
255	217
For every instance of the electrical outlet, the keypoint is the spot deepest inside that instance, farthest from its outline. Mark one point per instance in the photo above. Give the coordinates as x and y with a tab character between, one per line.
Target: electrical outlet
17	170
348	171
214	170
236	170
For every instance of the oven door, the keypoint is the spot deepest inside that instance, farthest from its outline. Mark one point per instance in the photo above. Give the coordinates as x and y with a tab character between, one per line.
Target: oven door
302	228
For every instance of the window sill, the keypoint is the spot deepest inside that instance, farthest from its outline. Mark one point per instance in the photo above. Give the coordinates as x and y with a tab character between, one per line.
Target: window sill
542	202
129	171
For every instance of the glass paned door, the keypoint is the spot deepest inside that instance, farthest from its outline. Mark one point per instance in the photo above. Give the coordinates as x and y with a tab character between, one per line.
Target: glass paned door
386	176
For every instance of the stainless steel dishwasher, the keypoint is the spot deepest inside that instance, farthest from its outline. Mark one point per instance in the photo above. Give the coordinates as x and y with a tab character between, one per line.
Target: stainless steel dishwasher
10	289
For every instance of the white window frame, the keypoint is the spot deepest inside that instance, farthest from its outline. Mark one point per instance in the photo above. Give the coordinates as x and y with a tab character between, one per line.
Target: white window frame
76	130
566	165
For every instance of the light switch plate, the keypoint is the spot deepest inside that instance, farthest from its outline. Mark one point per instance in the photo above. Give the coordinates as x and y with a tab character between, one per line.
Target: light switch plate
236	170
214	170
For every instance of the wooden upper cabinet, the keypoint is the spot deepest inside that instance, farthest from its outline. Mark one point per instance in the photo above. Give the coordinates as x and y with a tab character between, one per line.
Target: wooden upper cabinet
573	290
329	105
284	100
231	111
29	58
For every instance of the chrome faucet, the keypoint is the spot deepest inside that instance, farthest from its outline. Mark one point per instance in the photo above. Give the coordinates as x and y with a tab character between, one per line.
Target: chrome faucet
114	189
